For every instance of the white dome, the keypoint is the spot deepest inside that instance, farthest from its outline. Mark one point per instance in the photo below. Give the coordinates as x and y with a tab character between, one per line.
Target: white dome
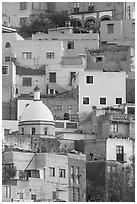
37	110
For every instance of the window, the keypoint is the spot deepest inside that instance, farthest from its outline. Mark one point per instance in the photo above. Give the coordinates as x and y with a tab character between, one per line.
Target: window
73	193
77	175
22	131
21	195
7	191
5	69
52	171
71	125
85	100
33	131
133	27
59	125
7	45
62	173
23	21
23	5
89	79
72	174
33	197
26	55
114	128
91	7
110	28
27	81
120	153
77	194
58	107
51	91
52	77
99	59
70	45
118	100
76	7
7	59
50	55
72	77
54	195
45	131
102	101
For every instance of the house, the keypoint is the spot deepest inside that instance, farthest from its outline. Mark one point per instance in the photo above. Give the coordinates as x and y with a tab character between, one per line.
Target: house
118	31
103	89
49	177
109	149
9	37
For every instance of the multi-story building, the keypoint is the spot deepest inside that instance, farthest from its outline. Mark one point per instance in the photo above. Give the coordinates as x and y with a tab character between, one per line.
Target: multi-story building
90	14
121	32
9	36
18	13
103	89
48	177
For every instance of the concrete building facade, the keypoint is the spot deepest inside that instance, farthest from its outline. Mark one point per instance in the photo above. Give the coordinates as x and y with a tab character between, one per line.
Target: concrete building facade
102	89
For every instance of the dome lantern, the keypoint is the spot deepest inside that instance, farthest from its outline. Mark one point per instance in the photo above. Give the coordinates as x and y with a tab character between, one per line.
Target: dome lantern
36	94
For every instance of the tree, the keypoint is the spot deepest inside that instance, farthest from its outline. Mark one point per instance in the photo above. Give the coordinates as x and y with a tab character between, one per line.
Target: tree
42	22
121	184
8	172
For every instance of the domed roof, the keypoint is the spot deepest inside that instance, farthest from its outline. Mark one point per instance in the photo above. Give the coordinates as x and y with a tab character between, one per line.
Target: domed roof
37	110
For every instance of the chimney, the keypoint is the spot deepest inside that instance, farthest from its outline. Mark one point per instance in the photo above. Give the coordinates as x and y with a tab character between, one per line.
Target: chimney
36	94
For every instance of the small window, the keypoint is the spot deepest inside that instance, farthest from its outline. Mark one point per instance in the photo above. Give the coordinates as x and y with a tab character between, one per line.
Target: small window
72	77
52	77
21	195
23	21
114	128
7	45
77	175
102	101
89	79
45	131
99	59
5	69
85	100
62	173
33	197
71	125
33	131
22	131
7	191
26	55
23	5
70	45
50	55
72	174
120	153
58	107
76	7
52	171
59	125
110	28
7	59
91	7
118	100
27	81
133	27
52	91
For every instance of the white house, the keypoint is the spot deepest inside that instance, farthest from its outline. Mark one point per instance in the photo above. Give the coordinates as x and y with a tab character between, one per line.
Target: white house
100	89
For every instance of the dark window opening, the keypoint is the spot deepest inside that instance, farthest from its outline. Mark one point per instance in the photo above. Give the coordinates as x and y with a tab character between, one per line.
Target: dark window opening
102	101
118	100
70	45
52	77
27	81
89	79
85	100
7	45
110	28
120	153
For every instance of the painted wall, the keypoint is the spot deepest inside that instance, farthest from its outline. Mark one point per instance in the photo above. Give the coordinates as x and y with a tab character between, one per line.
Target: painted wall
124	33
105	84
111	148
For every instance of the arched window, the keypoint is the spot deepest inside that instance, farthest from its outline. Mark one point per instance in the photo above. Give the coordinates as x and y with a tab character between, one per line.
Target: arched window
7	45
